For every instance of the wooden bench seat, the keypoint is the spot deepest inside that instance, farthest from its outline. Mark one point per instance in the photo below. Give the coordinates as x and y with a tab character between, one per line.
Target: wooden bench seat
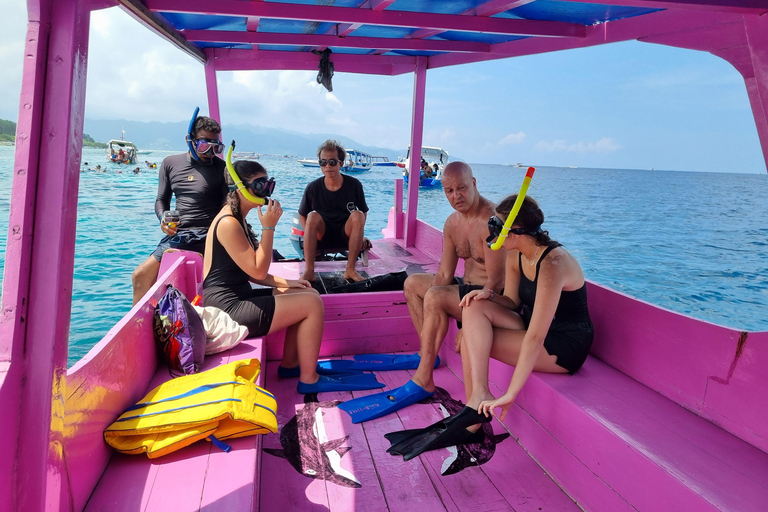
198	477
614	444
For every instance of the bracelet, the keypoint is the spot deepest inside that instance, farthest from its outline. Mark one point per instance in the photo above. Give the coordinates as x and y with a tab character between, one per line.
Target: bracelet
264	228
493	294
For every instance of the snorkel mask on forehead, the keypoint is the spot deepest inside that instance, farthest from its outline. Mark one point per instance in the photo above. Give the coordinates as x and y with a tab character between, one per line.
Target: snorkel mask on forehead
263	188
512	215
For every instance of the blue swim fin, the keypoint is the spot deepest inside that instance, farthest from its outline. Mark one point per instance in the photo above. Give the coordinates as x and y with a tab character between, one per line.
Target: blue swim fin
327	367
341	382
381	362
380	404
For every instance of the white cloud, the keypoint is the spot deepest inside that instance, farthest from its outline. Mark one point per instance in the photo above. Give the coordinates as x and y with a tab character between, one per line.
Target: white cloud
512	138
604	145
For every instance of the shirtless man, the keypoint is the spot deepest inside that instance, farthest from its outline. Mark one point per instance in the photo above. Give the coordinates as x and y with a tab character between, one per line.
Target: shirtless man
432	298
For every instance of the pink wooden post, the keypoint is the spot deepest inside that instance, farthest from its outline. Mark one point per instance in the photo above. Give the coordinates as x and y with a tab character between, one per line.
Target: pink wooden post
757	85
417	128
211	87
40	257
399	208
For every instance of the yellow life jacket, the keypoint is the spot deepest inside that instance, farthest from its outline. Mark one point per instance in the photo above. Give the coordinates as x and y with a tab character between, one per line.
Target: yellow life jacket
217	404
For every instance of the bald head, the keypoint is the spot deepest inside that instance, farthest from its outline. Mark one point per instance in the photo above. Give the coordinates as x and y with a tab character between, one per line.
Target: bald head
460	170
459	186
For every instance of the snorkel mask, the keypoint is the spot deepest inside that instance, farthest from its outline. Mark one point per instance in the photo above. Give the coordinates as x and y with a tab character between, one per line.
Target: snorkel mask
512	215
241	186
191	136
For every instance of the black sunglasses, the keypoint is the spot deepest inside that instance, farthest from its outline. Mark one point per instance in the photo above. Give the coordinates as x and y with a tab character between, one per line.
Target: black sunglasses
331	161
262	187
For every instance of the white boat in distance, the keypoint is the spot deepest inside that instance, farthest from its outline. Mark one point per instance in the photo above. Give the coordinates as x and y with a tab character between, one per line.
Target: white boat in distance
357	161
245	155
383	161
308	162
121	151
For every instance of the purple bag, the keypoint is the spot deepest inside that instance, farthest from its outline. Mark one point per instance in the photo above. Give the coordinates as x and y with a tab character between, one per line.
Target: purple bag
179	332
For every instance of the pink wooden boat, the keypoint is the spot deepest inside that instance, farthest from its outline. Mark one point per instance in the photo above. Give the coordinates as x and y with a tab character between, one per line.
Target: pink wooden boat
668	413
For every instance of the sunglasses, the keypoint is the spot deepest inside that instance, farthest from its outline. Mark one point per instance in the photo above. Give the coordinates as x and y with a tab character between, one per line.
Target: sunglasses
331	161
495	225
203	146
262	187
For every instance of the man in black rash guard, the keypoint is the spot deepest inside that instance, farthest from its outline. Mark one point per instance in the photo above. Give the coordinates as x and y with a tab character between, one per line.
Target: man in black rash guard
333	212
200	188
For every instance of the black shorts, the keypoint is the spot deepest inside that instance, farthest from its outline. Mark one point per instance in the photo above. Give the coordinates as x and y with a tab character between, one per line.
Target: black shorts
335	237
187	240
463	290
570	343
255	311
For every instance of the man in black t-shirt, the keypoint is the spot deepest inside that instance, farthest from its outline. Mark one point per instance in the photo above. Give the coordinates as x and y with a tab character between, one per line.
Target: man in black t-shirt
197	180
333	212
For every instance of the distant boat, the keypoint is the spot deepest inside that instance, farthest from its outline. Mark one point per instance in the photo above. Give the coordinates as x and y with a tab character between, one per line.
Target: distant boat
121	151
382	161
309	162
436	158
357	161
245	155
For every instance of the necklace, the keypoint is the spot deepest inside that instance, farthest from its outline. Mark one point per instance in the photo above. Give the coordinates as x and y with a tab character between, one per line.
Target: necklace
533	261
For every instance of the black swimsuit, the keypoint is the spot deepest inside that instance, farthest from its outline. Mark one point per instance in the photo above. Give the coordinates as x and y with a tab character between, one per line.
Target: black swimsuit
228	287
571	332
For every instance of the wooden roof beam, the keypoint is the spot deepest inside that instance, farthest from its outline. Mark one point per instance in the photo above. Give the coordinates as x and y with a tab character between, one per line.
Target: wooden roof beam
218	36
367	17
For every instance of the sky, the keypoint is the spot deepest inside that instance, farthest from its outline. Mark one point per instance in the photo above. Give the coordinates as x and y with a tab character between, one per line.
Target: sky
627	105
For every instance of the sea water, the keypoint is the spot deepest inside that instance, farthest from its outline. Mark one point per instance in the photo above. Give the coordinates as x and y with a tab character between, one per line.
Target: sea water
691	242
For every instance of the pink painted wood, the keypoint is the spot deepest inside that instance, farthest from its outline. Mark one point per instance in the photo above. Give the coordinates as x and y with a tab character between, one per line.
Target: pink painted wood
417	128
198	477
705	368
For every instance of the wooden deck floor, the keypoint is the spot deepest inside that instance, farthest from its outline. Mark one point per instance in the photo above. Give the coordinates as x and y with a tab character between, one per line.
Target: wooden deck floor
320	460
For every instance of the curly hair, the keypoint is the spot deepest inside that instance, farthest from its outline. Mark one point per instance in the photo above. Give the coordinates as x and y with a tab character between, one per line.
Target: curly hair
332	145
207	124
530	217
246	170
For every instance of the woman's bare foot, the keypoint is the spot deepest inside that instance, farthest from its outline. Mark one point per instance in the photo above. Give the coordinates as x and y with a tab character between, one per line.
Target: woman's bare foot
352	275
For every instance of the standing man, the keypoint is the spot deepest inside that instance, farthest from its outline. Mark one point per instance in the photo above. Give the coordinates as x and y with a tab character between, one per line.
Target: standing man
333	212
197	180
433	298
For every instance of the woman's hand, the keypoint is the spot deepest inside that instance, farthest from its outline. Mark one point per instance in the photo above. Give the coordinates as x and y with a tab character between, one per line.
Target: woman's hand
487	407
298	283
271	213
484	294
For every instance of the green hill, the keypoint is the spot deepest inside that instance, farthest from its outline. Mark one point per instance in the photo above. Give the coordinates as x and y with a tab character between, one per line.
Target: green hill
8	134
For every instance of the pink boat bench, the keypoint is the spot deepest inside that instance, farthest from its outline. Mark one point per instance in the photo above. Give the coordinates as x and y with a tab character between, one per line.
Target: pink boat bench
654	420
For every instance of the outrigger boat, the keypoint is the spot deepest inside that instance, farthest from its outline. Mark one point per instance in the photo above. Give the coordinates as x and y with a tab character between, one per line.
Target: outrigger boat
121	151
357	161
382	161
668	413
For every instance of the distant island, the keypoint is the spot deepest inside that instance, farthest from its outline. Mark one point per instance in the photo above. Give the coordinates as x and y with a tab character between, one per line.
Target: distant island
8	136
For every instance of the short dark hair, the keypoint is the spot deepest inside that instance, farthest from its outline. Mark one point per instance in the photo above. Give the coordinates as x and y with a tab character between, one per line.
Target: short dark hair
332	145
207	124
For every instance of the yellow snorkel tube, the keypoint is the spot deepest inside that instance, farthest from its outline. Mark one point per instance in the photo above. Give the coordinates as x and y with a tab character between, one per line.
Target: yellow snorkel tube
239	183
515	210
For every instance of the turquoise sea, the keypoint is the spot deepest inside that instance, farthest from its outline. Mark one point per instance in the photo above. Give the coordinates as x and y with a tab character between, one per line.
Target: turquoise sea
691	242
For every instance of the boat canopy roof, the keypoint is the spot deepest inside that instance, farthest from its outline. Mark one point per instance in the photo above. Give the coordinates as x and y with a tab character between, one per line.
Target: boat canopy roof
122	143
388	37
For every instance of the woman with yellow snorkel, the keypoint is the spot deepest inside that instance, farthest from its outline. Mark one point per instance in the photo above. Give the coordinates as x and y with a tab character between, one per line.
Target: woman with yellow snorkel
540	323
234	259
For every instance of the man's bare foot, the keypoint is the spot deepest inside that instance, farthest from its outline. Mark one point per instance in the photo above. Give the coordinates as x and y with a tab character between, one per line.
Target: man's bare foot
308	276
353	275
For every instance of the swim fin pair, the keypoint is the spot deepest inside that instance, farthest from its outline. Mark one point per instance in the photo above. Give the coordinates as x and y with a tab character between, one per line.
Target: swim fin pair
451	431
381	362
327	367
340	382
380	404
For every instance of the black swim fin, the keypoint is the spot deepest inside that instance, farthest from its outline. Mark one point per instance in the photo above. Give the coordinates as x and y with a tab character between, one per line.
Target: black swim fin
451	431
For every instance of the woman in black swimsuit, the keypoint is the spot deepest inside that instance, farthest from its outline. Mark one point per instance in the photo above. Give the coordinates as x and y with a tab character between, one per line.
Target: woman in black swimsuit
540	323
234	259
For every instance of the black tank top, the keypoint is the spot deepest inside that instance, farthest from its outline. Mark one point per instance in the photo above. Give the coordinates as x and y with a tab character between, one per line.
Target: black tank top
224	272
572	306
